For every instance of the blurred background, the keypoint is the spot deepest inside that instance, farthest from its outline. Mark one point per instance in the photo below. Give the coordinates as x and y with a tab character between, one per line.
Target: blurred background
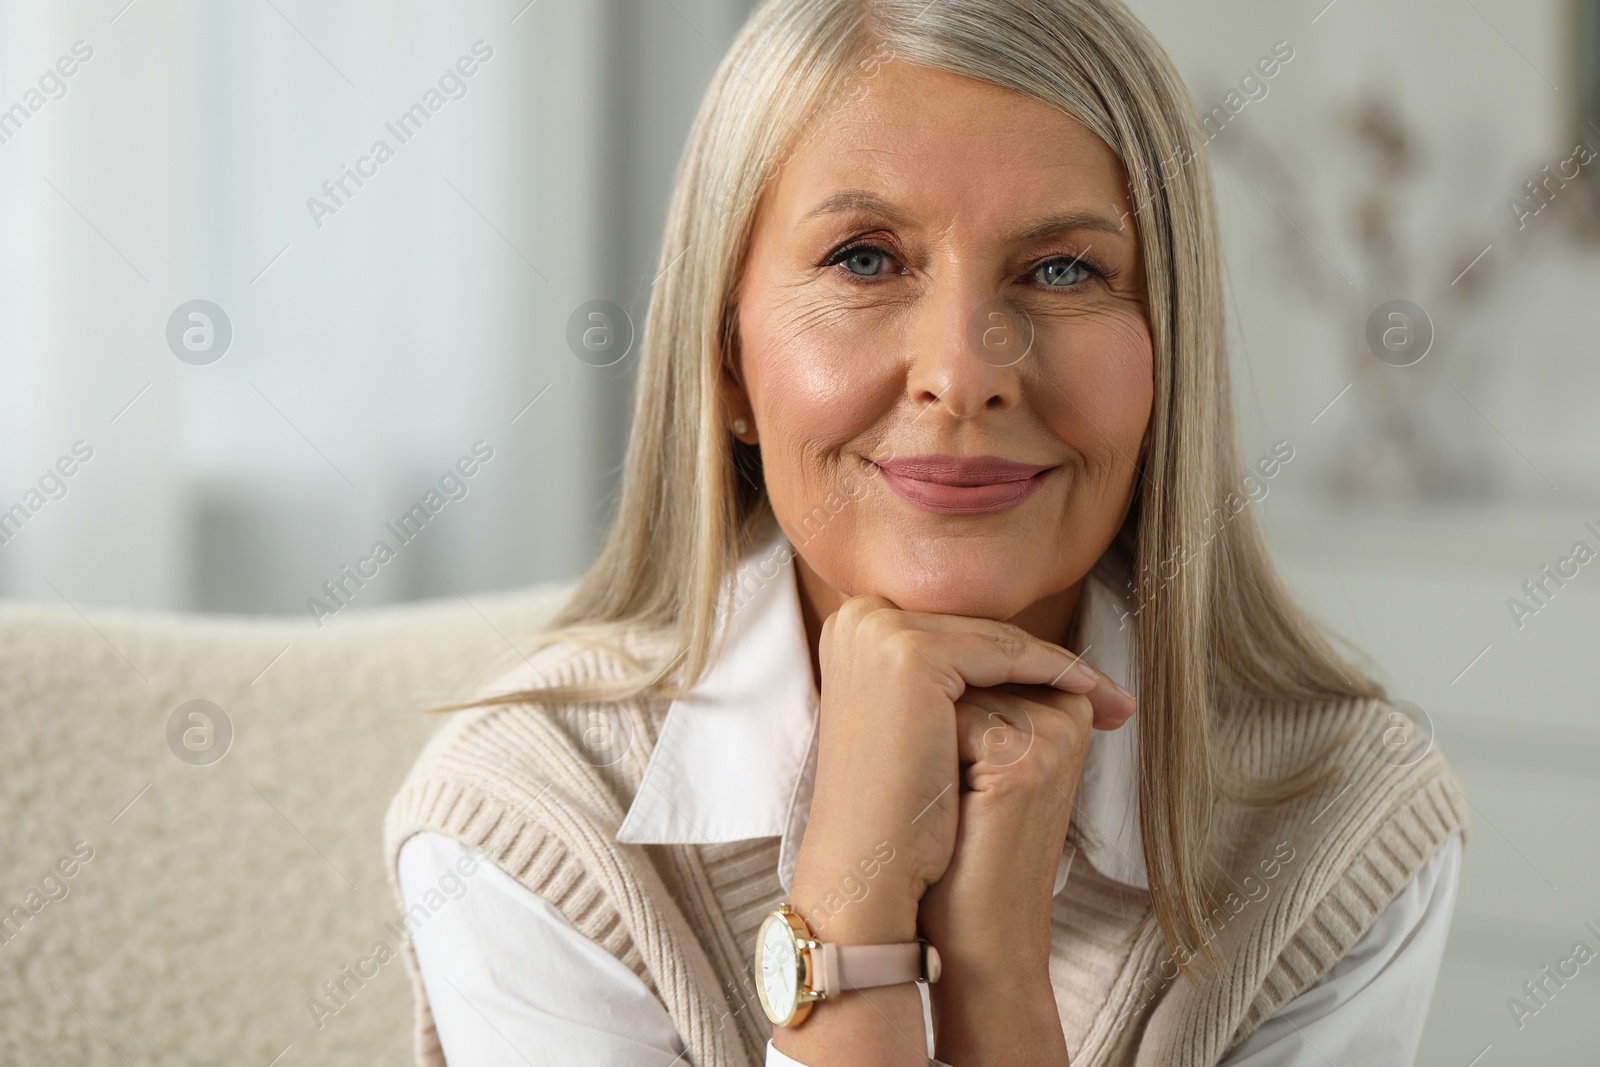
257	342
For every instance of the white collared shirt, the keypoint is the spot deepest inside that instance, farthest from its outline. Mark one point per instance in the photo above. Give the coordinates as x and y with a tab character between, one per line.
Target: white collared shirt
506	973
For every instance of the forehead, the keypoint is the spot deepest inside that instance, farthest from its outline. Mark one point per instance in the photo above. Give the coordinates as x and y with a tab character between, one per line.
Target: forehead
930	136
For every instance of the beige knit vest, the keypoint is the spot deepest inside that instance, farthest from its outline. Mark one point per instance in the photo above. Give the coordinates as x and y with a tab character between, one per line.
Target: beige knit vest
517	782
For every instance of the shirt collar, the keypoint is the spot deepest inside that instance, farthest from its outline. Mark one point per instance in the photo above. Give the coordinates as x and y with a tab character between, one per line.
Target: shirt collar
736	755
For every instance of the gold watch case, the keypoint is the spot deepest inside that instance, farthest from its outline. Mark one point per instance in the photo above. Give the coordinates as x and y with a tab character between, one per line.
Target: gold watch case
787	922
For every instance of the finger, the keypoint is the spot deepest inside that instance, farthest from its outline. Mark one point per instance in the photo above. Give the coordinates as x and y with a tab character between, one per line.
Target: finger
994	728
1112	706
1078	676
988	653
1109	693
1036	661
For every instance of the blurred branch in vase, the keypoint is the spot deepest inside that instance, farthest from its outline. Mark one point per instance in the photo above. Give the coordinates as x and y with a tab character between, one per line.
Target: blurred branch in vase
1397	444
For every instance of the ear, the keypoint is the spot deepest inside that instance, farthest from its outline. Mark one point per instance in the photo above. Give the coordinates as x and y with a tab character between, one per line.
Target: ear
735	397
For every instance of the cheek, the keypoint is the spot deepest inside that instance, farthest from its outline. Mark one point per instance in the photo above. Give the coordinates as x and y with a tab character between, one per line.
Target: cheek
817	397
813	384
1099	396
802	390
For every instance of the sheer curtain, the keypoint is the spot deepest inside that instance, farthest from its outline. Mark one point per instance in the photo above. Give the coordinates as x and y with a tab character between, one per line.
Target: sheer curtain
390	213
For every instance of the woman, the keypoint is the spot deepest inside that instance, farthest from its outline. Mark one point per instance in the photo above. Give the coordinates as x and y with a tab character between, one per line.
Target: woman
932	409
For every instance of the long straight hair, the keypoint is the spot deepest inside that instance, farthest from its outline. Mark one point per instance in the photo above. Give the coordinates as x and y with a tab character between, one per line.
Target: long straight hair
1214	625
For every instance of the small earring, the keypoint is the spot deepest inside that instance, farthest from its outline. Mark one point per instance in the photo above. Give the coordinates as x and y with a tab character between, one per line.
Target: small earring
740	426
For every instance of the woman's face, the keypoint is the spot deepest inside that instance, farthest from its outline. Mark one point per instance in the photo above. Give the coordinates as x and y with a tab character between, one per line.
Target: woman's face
944	270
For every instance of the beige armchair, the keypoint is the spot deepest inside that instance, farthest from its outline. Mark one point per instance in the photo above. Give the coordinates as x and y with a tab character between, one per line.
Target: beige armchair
161	906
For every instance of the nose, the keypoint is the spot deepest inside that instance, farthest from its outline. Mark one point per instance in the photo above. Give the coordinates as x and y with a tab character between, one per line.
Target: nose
947	367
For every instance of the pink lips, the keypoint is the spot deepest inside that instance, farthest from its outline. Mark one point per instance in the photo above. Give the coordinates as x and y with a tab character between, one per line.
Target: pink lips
962	485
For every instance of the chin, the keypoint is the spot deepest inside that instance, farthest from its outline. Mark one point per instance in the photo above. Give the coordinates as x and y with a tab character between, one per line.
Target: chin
981	586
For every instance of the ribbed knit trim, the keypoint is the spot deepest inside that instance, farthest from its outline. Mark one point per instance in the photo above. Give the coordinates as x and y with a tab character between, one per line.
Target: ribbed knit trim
513	782
611	897
1357	844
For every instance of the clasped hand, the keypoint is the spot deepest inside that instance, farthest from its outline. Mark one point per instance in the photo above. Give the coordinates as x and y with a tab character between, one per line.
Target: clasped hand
959	741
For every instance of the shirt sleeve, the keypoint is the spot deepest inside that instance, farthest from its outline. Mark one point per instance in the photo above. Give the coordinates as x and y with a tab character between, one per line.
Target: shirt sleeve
511	982
778	1059
1370	1006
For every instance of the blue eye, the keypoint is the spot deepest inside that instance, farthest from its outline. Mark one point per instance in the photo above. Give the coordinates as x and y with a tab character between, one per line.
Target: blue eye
860	255
1075	270
1062	272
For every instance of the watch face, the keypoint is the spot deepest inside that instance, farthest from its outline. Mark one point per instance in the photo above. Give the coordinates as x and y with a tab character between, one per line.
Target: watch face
778	964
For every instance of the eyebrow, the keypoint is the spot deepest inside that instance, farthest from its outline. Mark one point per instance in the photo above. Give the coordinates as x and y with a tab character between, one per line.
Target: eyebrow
860	200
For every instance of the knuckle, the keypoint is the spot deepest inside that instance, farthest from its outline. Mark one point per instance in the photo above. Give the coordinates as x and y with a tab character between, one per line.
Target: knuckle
1059	756
902	654
1026	776
1011	639
1003	741
1062	735
853	611
866	611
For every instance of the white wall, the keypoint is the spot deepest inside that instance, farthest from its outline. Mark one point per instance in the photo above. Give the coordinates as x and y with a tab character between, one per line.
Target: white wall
1488	122
1418	585
369	352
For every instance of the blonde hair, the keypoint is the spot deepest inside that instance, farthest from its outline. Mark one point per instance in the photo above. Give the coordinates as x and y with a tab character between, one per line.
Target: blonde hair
1219	625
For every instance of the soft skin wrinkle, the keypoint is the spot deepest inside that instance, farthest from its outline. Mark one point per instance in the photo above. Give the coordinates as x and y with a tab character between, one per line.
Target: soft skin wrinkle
832	367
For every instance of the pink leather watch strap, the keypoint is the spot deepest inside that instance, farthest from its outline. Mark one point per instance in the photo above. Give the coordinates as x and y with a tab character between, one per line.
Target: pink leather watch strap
840	967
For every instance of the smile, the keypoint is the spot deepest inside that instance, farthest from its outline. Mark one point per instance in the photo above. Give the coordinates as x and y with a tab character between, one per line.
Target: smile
962	485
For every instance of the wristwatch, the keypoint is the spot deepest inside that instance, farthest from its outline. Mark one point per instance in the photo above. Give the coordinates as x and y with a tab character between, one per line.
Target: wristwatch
794	970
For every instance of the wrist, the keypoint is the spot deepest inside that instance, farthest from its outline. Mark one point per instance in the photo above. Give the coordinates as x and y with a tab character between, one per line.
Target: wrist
992	978
991	981
871	899
885	914
988	1013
